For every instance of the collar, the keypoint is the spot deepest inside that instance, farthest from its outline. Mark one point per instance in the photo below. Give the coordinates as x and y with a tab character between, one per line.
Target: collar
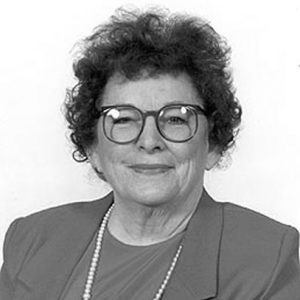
195	275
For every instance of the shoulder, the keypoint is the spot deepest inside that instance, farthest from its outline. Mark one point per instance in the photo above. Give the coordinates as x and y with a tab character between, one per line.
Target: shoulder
258	250
248	224
26	234
239	213
51	218
254	233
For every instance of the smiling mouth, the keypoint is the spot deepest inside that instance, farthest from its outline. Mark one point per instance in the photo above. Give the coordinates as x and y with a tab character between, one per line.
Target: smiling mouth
150	169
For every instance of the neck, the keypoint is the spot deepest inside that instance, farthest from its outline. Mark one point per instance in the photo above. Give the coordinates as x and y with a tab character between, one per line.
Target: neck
137	224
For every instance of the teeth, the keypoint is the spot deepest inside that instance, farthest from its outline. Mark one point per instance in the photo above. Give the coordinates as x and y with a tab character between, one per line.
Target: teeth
150	170
151	166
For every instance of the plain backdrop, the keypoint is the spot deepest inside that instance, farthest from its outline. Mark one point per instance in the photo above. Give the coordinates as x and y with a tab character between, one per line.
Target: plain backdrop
37	37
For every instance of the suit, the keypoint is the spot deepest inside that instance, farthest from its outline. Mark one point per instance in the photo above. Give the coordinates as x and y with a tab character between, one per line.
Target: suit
229	253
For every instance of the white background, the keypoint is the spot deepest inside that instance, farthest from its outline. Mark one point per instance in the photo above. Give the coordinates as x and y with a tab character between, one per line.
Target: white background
36	168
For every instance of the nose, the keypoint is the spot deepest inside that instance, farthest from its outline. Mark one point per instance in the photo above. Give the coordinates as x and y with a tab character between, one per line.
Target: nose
150	139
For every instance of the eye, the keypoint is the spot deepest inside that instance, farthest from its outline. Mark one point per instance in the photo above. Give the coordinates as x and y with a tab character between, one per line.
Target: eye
121	116
175	120
124	121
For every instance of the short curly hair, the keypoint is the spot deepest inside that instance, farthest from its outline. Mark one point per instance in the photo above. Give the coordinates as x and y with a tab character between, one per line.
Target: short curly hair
157	42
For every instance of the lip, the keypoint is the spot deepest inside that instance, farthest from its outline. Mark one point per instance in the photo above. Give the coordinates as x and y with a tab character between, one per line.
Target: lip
150	169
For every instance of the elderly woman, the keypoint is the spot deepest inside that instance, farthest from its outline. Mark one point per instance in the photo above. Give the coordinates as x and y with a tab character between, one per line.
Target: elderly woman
152	110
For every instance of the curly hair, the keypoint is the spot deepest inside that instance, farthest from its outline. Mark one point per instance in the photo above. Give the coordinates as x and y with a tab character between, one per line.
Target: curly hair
159	43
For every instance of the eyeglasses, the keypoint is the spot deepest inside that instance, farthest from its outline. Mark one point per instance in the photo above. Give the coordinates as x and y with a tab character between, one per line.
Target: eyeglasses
123	124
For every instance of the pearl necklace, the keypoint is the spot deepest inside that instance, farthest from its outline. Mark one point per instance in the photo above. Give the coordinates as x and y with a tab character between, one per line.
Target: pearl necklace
87	294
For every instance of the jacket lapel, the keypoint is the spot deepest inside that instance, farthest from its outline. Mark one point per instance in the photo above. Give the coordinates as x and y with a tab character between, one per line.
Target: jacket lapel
196	273
46	274
194	277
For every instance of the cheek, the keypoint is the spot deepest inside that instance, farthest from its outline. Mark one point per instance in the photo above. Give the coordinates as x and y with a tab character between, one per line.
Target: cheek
192	163
111	160
108	158
103	156
106	149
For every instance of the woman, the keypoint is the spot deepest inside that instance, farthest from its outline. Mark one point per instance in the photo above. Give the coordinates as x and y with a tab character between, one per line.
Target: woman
153	109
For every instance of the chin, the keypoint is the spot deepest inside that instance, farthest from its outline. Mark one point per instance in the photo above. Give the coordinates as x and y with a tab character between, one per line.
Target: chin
154	198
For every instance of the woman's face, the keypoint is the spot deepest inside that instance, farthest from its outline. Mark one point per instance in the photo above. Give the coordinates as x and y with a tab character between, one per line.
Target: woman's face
152	170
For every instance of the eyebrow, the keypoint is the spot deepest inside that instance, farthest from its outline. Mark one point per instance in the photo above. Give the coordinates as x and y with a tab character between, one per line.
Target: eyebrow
167	103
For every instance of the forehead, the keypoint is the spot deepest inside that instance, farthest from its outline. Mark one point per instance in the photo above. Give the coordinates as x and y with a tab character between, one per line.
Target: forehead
150	92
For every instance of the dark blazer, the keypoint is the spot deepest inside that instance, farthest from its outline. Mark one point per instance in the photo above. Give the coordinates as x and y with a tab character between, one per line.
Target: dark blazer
229	253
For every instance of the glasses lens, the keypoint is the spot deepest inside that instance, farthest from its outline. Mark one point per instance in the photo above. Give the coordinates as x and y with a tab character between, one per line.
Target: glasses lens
122	124
177	123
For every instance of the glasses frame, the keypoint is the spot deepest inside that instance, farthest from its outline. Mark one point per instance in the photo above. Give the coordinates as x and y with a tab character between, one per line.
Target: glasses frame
155	113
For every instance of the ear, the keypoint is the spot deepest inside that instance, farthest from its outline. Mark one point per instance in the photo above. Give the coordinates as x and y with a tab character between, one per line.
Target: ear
213	157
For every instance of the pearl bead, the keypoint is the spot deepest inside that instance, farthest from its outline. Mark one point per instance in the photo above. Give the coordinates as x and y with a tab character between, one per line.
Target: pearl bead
95	259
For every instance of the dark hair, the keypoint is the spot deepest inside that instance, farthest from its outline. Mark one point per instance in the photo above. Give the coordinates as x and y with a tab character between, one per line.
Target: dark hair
160	43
